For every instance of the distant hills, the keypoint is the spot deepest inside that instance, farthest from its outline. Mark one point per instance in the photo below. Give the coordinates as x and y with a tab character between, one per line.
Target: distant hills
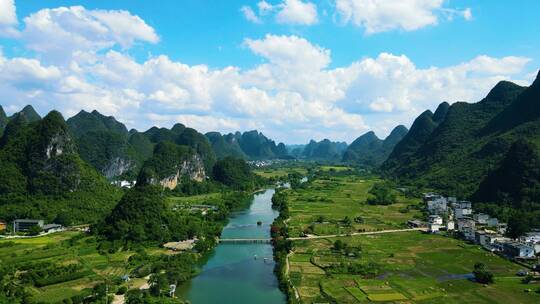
119	154
370	151
250	145
324	150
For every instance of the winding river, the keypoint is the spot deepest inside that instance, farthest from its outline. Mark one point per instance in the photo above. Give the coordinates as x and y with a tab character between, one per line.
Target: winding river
240	273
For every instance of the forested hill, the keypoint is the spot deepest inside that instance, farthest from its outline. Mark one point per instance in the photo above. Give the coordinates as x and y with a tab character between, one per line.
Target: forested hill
250	145
105	144
3	120
323	150
368	150
475	144
420	131
44	177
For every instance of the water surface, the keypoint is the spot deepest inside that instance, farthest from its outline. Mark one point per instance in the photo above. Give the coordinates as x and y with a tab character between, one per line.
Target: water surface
239	273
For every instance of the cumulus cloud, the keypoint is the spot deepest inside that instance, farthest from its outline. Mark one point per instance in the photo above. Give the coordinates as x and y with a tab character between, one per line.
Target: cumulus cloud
290	51
382	15
287	12
59	33
297	12
8	18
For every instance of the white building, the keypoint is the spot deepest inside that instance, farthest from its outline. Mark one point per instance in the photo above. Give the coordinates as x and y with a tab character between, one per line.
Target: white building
435	203
450	225
435	223
519	250
462	209
501	228
435	219
481	218
531	237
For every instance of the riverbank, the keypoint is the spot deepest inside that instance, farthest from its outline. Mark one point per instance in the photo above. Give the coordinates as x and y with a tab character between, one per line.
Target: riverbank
282	247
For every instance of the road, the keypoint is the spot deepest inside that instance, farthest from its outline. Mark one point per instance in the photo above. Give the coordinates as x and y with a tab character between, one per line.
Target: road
311	237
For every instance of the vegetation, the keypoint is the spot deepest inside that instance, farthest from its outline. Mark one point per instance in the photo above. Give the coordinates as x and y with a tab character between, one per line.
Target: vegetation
399	266
43	176
225	145
382	194
481	274
68	267
487	151
168	160
370	151
281	245
257	146
323	150
234	173
322	205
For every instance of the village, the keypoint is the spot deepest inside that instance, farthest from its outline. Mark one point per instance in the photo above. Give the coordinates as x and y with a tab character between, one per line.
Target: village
458	218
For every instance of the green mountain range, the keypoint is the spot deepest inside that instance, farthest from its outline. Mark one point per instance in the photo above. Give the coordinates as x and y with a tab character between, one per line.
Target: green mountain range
368	150
225	145
249	145
485	150
43	175
323	150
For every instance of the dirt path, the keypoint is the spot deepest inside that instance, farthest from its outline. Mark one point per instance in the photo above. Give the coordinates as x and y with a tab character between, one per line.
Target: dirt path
119	299
311	237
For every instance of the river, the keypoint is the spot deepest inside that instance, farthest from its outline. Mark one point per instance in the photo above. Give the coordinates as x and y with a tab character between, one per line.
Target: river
240	273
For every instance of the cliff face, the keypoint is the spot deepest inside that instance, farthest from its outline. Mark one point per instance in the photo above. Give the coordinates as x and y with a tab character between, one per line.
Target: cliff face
170	165
192	169
117	167
58	144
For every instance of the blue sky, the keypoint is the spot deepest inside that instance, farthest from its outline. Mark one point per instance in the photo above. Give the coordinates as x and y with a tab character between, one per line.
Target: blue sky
294	69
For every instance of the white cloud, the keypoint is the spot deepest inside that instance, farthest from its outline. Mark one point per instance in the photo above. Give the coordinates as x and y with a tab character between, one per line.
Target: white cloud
382	15
264	7
249	14
467	14
287	12
297	12
8	15
290	51
8	18
58	33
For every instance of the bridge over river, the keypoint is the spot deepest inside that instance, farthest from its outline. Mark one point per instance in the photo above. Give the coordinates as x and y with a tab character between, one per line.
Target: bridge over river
245	241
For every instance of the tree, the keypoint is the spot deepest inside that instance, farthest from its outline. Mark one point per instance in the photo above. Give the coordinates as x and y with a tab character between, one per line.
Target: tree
517	226
382	194
481	274
34	230
339	245
234	172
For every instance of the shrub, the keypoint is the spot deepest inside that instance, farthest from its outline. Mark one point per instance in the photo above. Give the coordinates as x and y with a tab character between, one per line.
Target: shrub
482	275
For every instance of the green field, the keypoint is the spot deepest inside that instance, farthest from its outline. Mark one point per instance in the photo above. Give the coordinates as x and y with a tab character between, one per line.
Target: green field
203	199
340	196
415	267
411	267
279	172
66	248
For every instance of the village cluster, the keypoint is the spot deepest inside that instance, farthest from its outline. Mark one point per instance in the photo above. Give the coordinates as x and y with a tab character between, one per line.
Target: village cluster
447	213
